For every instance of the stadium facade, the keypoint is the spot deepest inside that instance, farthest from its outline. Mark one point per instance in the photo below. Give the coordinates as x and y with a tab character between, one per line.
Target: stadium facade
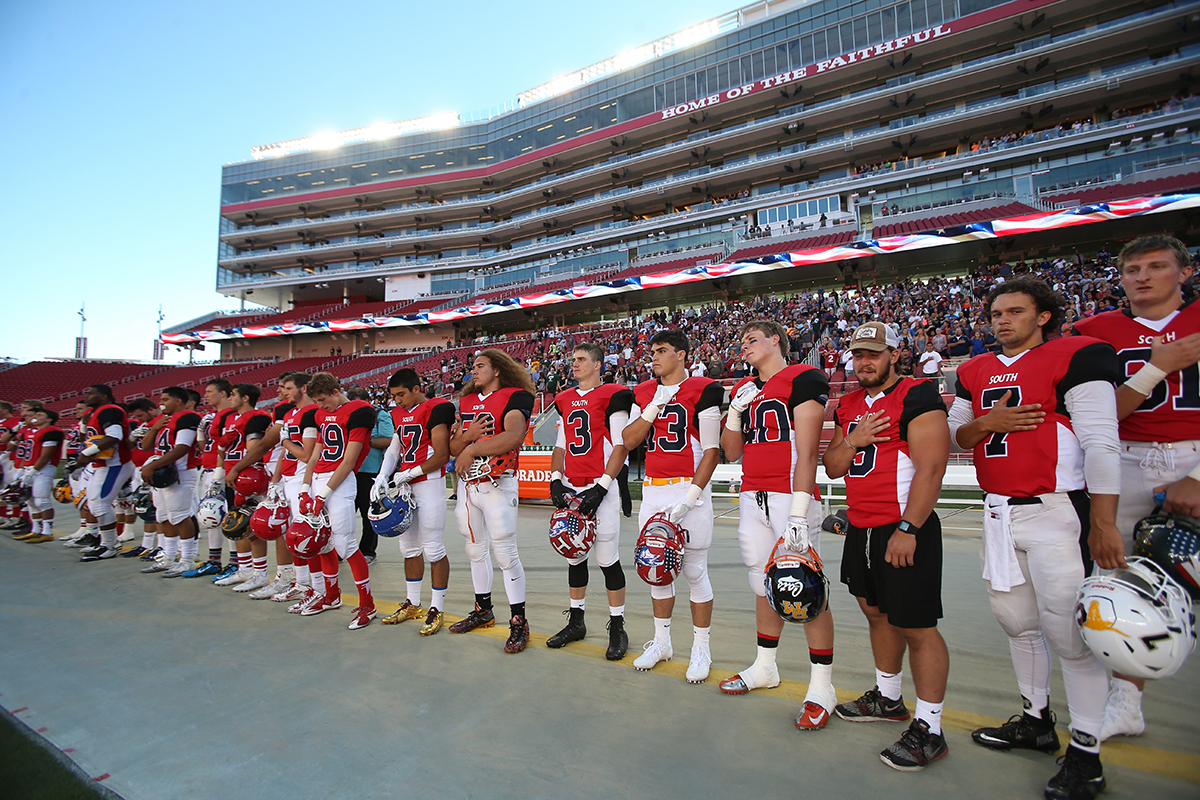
829	121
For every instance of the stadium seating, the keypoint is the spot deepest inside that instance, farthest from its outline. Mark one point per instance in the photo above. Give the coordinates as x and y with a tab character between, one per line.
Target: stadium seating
770	247
49	380
934	222
300	314
1085	195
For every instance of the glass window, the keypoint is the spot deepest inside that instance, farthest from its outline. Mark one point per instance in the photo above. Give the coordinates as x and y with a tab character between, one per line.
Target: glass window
874	28
918	14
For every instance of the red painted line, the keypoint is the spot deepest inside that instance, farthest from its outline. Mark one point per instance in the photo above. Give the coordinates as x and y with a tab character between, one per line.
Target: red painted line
18	711
69	750
101	777
42	730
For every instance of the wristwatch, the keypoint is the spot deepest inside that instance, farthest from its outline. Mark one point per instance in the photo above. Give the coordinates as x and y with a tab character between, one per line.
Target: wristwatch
907	527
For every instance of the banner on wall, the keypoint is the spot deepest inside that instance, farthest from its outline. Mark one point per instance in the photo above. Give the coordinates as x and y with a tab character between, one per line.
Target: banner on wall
533	475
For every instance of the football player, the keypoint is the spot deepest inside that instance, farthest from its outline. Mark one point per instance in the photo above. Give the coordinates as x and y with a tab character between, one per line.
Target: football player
679	419
417	456
329	485
240	434
776	420
75	443
45	451
143	412
212	428
1041	418
9	421
1157	340
493	416
891	442
172	440
588	456
108	455
297	439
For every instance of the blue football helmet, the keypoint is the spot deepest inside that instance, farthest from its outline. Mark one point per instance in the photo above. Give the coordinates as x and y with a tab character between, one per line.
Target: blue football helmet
392	514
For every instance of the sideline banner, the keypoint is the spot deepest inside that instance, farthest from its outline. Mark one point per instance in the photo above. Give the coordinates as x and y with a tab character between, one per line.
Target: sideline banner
533	474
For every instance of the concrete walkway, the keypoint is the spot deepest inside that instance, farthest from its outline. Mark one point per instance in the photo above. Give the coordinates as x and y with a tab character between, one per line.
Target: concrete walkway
173	688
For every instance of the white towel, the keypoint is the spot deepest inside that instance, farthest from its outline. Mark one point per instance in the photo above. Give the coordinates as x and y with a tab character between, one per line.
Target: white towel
1000	566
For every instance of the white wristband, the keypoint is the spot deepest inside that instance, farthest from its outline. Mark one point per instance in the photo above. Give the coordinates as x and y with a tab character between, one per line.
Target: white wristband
693	494
324	492
556	476
90	451
733	420
1145	379
650	413
604	481
800	501
306	488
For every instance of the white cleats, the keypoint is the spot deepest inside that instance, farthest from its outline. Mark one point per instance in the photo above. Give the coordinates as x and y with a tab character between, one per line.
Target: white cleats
290	593
1123	714
701	660
127	535
179	567
271	589
258	580
241	576
653	652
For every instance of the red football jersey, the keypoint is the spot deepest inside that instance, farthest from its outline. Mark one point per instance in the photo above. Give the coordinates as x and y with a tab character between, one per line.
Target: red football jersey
352	422
1172	411
42	438
295	422
74	440
214	430
585	421
21	446
102	422
415	429
497	405
246	427
1048	459
673	444
769	440
879	478
167	438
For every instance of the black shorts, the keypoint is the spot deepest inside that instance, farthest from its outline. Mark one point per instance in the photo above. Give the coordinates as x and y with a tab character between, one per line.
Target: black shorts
911	597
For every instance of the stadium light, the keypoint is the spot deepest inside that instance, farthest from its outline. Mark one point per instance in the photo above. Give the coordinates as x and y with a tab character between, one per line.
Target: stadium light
376	132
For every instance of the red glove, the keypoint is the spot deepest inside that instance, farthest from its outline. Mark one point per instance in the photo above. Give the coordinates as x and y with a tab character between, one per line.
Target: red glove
227	438
306	503
317	505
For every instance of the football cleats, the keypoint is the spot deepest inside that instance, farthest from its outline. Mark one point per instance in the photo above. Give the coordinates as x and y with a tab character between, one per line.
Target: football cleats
392	513
236	523
164	476
658	553
270	521
797	588
1136	620
62	490
251	481
572	534
308	536
211	511
1174	544
104	454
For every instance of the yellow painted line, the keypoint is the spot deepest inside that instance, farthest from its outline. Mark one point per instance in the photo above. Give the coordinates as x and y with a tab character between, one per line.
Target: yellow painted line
1123	753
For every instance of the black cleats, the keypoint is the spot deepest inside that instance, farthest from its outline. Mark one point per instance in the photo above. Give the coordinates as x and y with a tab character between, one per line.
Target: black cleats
618	639
1021	732
573	632
1080	777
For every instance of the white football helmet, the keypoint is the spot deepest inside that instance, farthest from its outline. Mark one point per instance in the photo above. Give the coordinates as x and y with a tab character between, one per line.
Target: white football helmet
1137	620
211	511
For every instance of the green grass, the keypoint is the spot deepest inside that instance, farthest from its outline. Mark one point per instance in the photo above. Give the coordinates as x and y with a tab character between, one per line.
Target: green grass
28	772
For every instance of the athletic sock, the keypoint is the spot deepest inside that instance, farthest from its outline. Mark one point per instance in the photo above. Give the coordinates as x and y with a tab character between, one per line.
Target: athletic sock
484	601
188	549
517	610
171	550
108	538
315	576
931	713
148	538
331	568
47	527
577	603
767	641
439	598
245	561
700	636
301	567
260	564
616	611
412	590
662	630
889	683
362	578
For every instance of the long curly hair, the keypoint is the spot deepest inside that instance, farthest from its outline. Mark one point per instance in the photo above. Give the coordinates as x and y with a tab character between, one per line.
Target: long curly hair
512	374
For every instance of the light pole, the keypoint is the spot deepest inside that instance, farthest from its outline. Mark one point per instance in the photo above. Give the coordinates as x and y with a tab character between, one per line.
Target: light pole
81	342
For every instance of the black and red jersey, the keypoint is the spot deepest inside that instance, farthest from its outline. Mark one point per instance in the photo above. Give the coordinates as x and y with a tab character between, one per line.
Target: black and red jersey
881	474
168	437
111	420
22	446
42	438
351	422
586	417
75	439
1049	458
496	405
415	426
213	432
1172	411
295	422
769	460
673	443
245	428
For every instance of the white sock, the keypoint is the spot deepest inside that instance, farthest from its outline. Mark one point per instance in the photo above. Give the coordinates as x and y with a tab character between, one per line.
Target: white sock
302	578
148	538
662	630
172	547
931	713
413	590
439	598
616	611
317	579
108	539
888	683
190	547
577	603
700	636
47	527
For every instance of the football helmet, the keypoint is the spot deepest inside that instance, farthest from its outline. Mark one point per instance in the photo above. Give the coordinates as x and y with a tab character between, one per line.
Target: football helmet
62	490
251	481
15	494
270	521
484	468
164	476
104	454
658	553
571	533
308	536
1174	544
142	500
797	588
211	511
392	514
80	499
236	523
1136	620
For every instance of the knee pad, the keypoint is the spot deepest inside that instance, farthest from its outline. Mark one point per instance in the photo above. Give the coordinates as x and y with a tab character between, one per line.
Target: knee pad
476	552
577	575
700	588
435	552
758	582
662	592
614	576
506	552
410	546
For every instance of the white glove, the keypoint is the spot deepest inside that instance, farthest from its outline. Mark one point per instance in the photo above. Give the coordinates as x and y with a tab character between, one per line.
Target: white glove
378	486
407	475
744	397
274	493
795	535
665	394
677	512
139	432
219	475
26	477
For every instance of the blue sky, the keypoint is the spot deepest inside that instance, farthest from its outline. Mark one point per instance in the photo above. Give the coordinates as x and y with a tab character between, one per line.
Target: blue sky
119	117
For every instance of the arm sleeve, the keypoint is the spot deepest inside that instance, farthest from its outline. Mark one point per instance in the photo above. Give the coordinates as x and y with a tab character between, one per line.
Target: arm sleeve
960	414
709	421
560	439
391	456
1093	410
809	385
921	398
616	424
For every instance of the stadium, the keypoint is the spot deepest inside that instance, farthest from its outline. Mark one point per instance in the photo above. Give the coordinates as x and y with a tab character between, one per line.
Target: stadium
819	163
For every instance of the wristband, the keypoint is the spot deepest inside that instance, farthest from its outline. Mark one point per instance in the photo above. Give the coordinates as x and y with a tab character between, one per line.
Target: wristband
650	413
846	441
306	488
604	481
1145	379
733	420
90	451
800	501
556	476
324	492
693	494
